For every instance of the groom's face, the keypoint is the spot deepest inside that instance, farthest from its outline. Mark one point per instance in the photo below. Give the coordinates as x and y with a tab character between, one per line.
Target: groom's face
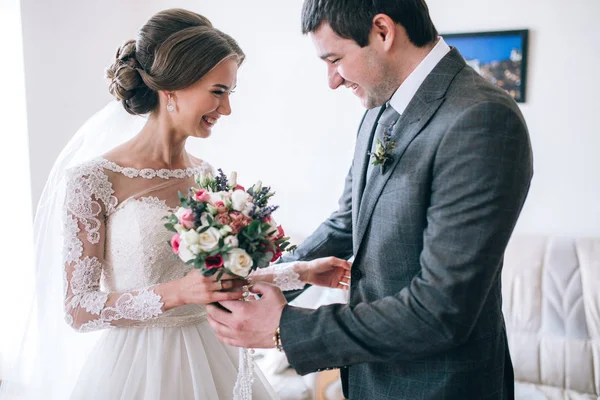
360	69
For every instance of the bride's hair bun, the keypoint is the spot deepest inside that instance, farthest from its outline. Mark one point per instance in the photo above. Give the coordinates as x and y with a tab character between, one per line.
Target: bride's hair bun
122	74
125	81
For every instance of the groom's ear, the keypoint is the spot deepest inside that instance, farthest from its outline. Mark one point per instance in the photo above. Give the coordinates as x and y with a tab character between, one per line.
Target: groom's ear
383	31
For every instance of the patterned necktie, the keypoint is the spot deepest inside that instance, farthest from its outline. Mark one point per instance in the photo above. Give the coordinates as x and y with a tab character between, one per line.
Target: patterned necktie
386	122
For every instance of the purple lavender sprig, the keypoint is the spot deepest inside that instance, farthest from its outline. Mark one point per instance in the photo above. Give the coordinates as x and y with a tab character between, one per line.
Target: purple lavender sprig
222	184
262	213
261	198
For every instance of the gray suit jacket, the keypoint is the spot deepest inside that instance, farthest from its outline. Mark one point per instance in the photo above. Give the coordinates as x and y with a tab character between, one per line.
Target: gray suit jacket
428	232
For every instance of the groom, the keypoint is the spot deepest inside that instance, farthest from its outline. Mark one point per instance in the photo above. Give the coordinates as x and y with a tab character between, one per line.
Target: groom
442	167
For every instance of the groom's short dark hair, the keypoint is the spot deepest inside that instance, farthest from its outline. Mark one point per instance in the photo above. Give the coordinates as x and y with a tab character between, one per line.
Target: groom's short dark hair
352	19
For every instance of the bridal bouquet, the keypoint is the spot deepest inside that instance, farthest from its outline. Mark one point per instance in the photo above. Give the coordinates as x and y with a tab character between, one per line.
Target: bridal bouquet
220	227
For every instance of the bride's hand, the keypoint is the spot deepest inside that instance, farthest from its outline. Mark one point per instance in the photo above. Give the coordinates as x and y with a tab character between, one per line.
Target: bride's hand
329	272
196	288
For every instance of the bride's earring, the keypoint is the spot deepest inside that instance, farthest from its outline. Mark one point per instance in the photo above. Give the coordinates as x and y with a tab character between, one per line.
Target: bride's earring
170	106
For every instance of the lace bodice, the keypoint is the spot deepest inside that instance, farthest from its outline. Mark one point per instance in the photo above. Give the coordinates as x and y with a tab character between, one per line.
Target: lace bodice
117	251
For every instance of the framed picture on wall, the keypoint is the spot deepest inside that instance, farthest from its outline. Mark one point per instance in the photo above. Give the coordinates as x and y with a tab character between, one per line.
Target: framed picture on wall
500	57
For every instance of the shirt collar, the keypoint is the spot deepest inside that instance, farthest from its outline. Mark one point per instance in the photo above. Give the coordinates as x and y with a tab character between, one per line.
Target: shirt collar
409	87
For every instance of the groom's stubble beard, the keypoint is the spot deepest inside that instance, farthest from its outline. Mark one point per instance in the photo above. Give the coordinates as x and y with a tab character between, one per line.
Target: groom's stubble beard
384	88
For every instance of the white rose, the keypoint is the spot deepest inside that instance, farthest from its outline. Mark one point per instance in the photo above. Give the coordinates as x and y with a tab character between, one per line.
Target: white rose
195	248
249	206
188	245
239	200
179	228
209	240
185	253
190	237
179	212
215	197
238	262
232	241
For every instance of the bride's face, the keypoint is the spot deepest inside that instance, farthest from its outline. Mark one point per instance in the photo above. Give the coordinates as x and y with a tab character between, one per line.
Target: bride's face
199	106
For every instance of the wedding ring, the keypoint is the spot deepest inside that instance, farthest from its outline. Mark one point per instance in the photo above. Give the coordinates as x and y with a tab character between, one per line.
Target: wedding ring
245	293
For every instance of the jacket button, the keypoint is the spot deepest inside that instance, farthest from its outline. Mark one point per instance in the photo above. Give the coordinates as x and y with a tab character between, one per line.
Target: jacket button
356	274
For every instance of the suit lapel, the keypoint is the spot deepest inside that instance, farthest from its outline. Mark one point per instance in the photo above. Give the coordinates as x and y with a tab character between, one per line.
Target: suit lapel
361	158
421	109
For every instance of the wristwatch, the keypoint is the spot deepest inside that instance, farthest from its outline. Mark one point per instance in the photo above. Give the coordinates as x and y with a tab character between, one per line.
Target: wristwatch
277	340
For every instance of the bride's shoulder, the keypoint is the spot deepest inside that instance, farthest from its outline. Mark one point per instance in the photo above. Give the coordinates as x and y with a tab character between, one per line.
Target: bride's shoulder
89	168
87	180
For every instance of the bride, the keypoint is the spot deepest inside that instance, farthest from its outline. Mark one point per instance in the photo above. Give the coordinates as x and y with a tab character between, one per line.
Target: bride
118	272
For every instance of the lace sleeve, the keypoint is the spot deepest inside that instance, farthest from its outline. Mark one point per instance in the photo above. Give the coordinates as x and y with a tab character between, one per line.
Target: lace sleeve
89	197
284	276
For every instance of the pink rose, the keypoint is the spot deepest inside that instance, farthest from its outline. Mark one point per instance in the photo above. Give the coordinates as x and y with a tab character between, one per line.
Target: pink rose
236	226
214	262
221	209
236	216
187	219
223	219
202	196
239	187
175	242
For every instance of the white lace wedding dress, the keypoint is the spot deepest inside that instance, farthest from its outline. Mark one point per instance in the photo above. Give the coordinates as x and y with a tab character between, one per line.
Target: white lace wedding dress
116	251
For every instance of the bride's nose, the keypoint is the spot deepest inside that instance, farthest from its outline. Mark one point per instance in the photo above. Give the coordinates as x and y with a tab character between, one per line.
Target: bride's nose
225	107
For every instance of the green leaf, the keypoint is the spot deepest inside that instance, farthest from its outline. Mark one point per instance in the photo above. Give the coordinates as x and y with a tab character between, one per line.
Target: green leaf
170	227
209	272
220	275
215	252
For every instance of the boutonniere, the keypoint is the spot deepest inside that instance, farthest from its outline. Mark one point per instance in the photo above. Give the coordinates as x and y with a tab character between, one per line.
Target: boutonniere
383	150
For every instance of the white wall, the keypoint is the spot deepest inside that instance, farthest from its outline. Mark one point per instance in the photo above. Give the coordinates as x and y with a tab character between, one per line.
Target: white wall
562	109
17	236
284	109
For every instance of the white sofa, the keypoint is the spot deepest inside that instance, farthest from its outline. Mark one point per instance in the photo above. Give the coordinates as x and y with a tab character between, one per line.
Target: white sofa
551	298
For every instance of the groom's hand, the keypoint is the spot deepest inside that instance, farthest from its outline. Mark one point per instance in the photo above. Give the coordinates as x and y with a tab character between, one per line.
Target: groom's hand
250	324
